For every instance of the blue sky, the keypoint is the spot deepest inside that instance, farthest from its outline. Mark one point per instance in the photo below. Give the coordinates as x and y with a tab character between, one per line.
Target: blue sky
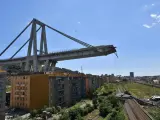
132	26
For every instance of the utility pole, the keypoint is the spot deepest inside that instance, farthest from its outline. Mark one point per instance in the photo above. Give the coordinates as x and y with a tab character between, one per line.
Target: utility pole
81	69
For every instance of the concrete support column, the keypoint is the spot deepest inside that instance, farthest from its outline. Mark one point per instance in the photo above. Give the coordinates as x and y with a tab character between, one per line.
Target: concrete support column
43	43
35	61
29	50
52	65
46	65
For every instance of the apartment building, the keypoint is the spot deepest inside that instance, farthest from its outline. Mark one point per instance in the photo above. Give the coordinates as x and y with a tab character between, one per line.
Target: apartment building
92	82
2	94
65	89
29	91
77	88
59	90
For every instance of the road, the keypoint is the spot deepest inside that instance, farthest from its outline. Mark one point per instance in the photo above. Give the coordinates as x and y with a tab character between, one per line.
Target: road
135	112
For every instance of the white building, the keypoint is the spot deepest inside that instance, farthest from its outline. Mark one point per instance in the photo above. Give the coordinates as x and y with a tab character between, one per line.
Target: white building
156	81
2	94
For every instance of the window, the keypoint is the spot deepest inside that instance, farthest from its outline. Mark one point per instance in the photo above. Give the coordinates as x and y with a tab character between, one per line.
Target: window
93	81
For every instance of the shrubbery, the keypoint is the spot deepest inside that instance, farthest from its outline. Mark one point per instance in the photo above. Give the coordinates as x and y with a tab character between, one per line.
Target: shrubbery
110	105
33	113
76	113
105	108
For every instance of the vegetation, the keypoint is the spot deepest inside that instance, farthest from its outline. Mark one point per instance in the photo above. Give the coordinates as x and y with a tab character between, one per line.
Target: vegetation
8	88
154	112
141	91
76	112
106	89
33	113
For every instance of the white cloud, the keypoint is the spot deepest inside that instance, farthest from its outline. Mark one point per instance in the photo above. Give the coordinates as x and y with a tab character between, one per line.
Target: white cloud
156	19
149	26
146	26
79	22
153	4
148	7
153	15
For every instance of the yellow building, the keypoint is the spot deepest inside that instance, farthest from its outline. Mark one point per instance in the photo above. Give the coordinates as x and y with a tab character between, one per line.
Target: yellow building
29	91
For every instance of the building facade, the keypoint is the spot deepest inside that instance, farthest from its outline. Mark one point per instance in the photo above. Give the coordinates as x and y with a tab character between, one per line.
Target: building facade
2	94
66	89
29	91
58	91
131	74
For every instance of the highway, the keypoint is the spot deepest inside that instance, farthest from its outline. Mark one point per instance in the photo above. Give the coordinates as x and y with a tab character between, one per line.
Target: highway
67	55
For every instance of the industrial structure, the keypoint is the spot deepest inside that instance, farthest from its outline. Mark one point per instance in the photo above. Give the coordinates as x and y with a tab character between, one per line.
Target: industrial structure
42	60
2	94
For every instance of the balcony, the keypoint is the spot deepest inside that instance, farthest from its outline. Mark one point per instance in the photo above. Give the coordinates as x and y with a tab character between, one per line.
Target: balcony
61	82
60	87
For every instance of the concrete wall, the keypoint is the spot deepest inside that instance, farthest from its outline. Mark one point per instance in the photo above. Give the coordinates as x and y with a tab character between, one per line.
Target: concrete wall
39	91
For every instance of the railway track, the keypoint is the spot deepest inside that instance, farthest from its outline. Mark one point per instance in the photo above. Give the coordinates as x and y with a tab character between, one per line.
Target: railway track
135	112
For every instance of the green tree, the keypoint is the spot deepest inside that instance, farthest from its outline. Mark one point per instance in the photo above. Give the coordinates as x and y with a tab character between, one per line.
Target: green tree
113	100
39	111
78	117
95	103
33	113
49	109
73	113
64	116
54	111
105	108
58	108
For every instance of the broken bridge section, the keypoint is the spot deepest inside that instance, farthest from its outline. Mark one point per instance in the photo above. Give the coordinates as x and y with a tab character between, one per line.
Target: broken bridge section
41	60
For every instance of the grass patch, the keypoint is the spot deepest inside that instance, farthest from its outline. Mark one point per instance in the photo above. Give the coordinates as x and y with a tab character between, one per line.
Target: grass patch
142	91
154	112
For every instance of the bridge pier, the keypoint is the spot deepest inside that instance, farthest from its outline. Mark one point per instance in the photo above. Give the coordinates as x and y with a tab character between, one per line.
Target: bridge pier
52	65
33	44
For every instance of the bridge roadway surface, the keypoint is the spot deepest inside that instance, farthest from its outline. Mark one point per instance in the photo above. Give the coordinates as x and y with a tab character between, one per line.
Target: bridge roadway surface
135	112
67	55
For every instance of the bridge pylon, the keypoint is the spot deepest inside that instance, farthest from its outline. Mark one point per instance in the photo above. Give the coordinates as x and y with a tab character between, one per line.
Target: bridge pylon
32	47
